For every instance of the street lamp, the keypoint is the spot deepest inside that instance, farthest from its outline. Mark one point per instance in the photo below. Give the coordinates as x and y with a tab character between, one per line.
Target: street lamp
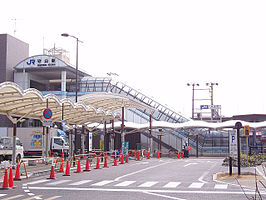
211	84
67	35
193	86
76	96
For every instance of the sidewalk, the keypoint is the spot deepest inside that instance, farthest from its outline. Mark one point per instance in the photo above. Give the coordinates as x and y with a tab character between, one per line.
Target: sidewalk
40	168
247	179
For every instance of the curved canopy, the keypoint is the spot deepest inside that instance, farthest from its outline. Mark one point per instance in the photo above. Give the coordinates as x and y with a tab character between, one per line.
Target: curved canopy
30	103
112	101
187	125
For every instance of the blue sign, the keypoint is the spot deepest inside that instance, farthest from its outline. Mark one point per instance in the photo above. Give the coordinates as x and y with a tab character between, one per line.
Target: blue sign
47	113
204	107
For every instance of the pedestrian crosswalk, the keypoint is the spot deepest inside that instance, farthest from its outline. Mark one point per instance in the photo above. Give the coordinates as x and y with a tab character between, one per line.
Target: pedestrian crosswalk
130	183
27	197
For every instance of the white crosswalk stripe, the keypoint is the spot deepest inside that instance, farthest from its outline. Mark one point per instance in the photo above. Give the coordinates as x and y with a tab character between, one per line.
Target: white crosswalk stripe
220	186
172	184
39	181
125	183
80	182
58	182
148	184
1	195
196	185
101	183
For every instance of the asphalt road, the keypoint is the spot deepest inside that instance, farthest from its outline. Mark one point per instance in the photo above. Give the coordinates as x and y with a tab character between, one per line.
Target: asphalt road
166	178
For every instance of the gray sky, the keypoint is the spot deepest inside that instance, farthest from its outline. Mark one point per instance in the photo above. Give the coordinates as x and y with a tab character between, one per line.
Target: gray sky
157	46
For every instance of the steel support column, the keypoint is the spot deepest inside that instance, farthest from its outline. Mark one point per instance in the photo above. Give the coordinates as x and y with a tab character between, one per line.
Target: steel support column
123	125
150	136
14	144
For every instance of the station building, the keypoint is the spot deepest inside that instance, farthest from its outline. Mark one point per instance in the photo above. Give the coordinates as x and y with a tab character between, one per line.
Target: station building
52	73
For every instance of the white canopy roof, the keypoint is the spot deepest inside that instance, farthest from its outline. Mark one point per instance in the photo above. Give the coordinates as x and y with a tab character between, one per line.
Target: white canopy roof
30	103
187	125
112	101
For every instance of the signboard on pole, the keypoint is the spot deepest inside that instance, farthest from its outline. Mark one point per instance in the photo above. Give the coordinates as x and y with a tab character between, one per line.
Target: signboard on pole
125	146
233	144
47	113
47	122
212	107
90	141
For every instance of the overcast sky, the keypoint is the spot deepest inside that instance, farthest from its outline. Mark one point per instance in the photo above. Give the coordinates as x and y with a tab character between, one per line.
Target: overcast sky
157	46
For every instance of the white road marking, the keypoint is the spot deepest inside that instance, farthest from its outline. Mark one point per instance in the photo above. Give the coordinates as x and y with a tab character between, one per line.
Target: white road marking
148	184
33	197
202	176
39	181
102	183
196	185
145	190
1	195
190	164
31	194
220	186
172	184
118	178
57	182
161	195
13	197
54	197
26	190
80	182
125	183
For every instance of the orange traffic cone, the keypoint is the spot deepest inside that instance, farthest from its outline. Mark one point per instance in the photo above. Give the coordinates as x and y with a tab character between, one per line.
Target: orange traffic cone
61	166
5	182
78	167
105	161
149	156
10	179
85	154
52	174
97	164
138	156
67	172
122	159
17	175
127	158
87	166
158	155
115	162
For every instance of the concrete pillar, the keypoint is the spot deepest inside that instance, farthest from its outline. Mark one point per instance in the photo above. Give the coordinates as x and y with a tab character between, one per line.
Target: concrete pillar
63	81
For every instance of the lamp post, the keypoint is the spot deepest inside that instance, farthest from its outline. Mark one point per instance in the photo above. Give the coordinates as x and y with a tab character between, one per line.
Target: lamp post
193	99
211	84
76	96
77	47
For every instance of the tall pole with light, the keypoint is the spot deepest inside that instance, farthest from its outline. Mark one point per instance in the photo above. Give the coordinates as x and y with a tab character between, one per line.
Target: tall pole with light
77	50
211	84
193	99
76	95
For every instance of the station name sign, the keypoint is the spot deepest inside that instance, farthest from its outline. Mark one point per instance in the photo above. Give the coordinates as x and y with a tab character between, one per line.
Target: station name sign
41	61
